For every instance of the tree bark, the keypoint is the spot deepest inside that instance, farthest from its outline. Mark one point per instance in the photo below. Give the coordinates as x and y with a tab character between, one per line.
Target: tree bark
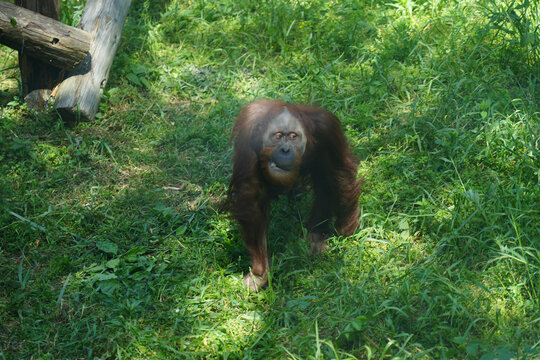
44	44
78	96
36	74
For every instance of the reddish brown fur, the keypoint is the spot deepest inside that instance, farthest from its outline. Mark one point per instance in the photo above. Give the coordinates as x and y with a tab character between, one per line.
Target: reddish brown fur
328	161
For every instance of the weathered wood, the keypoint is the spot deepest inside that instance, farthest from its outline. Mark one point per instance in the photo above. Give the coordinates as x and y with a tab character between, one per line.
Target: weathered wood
38	99
36	74
49	8
47	39
78	96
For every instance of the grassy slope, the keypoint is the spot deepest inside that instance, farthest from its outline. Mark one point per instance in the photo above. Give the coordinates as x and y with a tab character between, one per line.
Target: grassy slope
113	245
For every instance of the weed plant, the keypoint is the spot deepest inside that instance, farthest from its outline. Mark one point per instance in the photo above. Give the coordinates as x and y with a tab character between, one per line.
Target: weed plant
113	245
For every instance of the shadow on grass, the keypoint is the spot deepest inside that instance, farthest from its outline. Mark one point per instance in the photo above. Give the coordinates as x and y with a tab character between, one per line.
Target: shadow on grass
136	261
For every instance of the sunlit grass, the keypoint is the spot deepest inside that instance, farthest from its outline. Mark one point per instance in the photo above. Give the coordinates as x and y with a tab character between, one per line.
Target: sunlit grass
114	244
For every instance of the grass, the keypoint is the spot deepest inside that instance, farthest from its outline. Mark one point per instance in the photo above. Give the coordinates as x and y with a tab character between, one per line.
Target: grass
113	244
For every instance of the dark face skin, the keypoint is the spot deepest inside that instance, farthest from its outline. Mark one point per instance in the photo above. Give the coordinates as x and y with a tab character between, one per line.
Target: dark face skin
286	140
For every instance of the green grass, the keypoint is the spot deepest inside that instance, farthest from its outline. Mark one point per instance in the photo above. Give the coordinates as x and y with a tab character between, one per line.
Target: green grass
112	240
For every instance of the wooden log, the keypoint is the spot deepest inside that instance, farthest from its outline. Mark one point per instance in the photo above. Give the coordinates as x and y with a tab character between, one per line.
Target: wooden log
38	99
49	8
36	74
44	38
78	96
